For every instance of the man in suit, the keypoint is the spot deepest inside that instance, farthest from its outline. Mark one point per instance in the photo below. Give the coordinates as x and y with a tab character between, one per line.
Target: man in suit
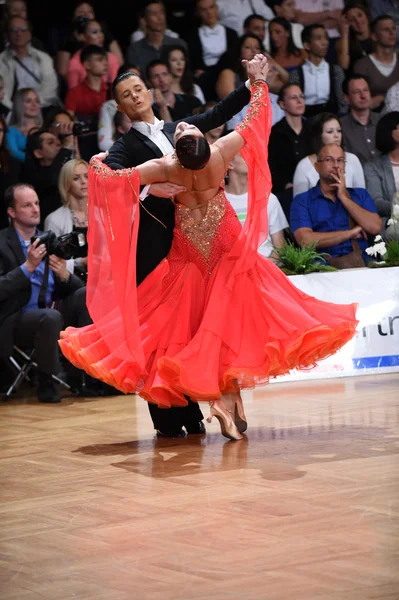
207	43
26	318
150	138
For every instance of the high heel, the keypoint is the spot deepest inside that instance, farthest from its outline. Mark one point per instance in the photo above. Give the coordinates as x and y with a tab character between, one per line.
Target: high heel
225	419
239	415
233	404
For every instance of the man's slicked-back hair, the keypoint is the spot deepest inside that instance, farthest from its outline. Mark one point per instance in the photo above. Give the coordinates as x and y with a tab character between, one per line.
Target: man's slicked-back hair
122	77
193	152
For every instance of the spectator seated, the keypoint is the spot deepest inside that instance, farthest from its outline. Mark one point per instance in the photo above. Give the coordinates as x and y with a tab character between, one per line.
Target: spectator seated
337	219
167	105
321	82
29	283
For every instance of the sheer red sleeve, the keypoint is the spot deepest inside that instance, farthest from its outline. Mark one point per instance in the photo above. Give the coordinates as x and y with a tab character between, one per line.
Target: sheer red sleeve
112	237
255	129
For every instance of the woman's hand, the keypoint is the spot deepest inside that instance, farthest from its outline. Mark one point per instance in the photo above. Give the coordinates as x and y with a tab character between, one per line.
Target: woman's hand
101	156
257	68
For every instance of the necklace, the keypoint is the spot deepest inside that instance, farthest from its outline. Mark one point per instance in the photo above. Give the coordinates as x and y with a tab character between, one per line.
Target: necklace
79	222
176	158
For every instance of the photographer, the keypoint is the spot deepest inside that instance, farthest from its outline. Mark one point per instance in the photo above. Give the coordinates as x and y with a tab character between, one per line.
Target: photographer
29	283
45	156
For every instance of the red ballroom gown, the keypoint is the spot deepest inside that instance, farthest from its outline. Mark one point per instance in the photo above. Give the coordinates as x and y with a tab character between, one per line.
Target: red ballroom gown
214	314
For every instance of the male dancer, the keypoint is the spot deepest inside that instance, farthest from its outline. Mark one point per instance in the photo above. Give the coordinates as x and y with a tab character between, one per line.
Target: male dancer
150	138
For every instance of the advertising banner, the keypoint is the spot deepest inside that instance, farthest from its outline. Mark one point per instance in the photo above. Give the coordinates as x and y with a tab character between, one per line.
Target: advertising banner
375	349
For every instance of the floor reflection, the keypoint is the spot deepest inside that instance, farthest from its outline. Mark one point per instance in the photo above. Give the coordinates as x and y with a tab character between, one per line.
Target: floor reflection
278	454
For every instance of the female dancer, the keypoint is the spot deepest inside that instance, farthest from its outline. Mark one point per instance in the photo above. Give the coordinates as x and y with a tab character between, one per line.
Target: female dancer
214	316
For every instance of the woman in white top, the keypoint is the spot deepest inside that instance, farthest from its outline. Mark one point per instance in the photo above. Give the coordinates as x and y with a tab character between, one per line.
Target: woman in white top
326	129
182	77
72	216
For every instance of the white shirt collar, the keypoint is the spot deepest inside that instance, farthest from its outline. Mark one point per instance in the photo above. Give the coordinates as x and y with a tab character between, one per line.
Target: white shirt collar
323	66
209	31
148	129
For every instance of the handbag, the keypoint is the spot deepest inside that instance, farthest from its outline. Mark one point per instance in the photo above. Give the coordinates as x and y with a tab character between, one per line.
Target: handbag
353	260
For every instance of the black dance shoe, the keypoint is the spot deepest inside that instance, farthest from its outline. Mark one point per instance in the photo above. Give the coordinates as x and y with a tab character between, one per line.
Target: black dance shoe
195	428
171	434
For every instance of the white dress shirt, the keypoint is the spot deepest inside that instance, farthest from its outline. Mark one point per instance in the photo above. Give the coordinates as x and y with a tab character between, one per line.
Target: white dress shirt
154	132
214	43
234	12
306	176
316	82
276	218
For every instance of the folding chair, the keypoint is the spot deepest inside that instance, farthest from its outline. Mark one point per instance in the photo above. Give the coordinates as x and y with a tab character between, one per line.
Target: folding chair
23	369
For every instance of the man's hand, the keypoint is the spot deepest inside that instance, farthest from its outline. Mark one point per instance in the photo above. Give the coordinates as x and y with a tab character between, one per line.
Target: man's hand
158	98
257	68
356	233
35	255
101	155
59	267
166	190
340	184
64	131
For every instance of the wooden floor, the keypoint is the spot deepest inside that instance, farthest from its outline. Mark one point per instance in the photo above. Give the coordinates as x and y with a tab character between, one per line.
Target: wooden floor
305	508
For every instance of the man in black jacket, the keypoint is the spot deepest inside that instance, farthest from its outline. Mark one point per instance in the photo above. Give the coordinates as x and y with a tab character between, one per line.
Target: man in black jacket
149	138
28	287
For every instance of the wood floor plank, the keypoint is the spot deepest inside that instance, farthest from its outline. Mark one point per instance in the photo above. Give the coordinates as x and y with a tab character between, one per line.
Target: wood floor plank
93	506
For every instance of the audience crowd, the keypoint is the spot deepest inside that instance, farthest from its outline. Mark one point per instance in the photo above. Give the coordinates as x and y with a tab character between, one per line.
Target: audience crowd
333	151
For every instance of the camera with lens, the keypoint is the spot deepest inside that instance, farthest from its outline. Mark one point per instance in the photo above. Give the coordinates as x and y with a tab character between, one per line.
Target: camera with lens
80	127
66	246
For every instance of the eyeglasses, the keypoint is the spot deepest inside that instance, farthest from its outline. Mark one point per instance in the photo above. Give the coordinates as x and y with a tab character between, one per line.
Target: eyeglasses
330	160
21	29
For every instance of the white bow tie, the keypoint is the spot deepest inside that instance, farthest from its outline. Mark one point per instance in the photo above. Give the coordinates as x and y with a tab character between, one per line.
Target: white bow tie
156	126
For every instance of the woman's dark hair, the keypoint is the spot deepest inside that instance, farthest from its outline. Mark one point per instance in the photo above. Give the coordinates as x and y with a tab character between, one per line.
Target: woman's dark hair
233	56
355	48
52	114
291	48
193	152
187	79
4	153
316	130
383	135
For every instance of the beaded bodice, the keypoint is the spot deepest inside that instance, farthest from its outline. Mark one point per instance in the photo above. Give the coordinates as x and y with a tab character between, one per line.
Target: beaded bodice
203	242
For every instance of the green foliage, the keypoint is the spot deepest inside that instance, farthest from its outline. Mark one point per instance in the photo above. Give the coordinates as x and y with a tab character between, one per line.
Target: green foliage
392	251
301	261
391	257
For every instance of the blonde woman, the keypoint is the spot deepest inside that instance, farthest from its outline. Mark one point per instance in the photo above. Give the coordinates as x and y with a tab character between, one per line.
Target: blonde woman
72	216
25	116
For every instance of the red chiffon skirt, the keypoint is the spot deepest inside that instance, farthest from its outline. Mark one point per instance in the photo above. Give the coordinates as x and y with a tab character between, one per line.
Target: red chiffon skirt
205	331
